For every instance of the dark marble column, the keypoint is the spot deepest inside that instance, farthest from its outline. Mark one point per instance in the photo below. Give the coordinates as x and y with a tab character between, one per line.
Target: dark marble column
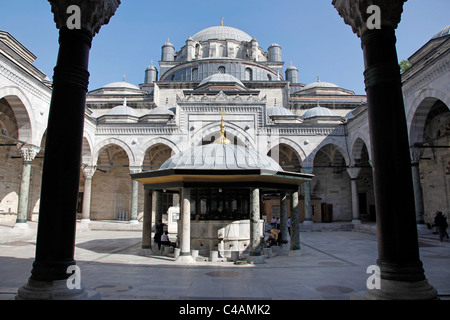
285	238
295	220
402	274
147	224
55	241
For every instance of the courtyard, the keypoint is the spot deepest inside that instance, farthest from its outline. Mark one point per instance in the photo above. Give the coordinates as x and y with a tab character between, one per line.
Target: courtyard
332	266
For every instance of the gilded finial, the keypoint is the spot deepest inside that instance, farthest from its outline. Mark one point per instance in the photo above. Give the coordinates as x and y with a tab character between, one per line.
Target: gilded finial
222	139
221	22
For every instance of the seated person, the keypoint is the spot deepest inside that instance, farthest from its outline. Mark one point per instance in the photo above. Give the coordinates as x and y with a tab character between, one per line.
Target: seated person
165	240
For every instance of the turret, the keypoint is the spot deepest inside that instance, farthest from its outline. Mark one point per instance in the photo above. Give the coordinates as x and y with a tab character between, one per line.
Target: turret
151	74
292	74
168	52
275	53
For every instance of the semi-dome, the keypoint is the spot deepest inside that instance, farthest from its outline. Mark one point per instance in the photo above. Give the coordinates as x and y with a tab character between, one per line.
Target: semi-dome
278	111
444	32
123	110
318	112
221	78
221	157
222	33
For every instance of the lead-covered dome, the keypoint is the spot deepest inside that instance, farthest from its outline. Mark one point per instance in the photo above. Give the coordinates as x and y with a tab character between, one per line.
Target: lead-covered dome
222	33
123	110
318	112
278	111
221	157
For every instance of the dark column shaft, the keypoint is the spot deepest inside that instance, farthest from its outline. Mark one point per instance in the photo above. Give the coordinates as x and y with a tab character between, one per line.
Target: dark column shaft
61	171
398	249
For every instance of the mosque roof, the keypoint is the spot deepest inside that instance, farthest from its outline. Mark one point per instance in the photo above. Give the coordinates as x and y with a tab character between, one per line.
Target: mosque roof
121	84
221	157
221	77
222	33
318	112
278	111
163	110
444	32
123	110
320	84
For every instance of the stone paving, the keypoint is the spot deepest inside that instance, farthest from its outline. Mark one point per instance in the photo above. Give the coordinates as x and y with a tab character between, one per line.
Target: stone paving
332	266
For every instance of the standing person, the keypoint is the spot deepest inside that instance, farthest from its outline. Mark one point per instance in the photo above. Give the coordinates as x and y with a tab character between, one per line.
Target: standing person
278	223
440	221
289	225
274	222
158	233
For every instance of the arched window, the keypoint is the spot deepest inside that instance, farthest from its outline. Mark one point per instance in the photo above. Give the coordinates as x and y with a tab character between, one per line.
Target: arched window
221	70
195	74
248	74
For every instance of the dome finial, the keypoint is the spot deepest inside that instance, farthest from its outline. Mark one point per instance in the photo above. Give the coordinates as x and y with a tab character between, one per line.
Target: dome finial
221	22
222	139
318	79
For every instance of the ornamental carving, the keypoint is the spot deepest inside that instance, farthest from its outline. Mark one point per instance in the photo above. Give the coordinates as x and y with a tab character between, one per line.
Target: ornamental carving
93	13
354	13
221	97
28	153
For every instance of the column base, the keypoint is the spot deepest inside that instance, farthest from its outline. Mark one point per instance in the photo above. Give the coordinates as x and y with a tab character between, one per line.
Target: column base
21	225
133	222
255	260
185	259
146	252
295	253
53	290
402	290
85	220
308	222
356	221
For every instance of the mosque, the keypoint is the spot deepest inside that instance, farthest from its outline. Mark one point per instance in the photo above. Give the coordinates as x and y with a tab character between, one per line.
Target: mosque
222	74
224	135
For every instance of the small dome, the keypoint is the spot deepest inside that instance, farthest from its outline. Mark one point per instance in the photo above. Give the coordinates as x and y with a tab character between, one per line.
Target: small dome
222	33
444	32
221	77
320	84
121	85
318	112
278	111
123	110
221	157
168	44
163	110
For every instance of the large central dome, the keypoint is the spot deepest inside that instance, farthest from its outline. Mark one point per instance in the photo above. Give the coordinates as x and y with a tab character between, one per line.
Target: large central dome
222	33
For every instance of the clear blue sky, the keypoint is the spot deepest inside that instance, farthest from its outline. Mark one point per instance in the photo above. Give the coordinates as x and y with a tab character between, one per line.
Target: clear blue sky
311	33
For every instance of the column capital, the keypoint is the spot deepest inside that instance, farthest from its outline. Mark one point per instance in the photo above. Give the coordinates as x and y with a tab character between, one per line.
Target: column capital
88	171
307	169
356	15
135	169
93	13
353	172
28	152
416	154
